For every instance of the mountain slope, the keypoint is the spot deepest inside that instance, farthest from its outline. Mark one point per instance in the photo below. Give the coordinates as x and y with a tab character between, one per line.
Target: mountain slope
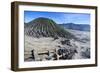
44	27
81	27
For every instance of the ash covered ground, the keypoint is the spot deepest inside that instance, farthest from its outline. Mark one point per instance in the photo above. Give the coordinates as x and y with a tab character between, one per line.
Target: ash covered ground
45	40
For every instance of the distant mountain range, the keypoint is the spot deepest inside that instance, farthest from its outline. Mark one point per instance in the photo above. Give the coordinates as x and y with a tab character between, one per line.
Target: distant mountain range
81	27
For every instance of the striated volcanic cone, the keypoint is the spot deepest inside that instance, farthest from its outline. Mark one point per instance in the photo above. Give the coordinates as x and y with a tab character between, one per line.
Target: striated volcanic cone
45	27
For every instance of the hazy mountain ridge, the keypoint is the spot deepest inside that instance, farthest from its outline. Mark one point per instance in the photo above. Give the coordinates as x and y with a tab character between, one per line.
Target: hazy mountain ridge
81	27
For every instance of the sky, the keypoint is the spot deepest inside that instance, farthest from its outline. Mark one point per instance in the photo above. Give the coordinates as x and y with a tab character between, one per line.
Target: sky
58	17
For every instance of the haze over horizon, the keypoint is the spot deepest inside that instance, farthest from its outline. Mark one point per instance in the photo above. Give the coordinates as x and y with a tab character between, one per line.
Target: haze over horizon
58	17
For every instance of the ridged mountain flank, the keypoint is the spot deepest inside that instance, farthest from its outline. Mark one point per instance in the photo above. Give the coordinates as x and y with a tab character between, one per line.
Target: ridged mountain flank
45	27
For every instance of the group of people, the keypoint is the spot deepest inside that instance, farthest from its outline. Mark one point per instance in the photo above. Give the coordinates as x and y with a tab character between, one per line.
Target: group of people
66	53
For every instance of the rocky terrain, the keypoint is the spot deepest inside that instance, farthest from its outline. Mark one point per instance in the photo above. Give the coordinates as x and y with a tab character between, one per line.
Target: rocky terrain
46	40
